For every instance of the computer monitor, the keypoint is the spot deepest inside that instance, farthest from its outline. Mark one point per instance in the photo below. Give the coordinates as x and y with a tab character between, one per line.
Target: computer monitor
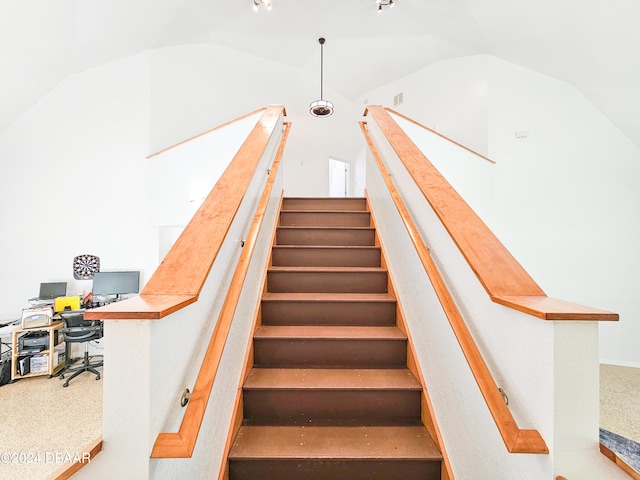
51	290
116	283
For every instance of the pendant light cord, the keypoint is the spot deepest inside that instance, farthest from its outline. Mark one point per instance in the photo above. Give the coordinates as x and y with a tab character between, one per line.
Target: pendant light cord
321	69
322	107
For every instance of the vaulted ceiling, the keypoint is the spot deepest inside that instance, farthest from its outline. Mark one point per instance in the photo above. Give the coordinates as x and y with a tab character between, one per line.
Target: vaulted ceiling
591	44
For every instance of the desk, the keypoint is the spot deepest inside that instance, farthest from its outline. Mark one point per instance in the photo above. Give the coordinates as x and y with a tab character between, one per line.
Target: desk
6	334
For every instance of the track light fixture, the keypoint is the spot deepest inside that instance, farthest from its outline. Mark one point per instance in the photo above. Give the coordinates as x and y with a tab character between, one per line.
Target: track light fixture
257	3
321	108
384	3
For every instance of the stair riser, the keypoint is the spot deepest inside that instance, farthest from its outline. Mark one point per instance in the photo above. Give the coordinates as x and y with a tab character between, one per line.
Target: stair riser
328	313
325	219
350	204
302	469
299	407
326	257
324	236
327	282
323	353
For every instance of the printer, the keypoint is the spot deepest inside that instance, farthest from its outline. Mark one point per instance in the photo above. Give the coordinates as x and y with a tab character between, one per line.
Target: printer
37	317
36	341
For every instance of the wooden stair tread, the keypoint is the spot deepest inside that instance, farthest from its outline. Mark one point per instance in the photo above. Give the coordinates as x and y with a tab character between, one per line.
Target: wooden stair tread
331	379
327	247
322	227
333	203
326	255
314	199
326	217
324	199
327	269
335	443
324	235
312	332
327	297
322	210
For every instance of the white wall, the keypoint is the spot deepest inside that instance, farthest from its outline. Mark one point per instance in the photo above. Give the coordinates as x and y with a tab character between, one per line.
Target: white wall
567	198
72	181
449	97
79	154
470	174
195	87
180	178
194	168
566	201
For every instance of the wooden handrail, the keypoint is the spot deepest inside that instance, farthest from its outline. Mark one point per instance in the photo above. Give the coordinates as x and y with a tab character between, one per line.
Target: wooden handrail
503	278
193	254
181	444
516	440
411	120
211	130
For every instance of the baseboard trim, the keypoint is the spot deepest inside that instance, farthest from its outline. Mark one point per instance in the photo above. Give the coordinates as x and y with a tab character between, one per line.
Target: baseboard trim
615	363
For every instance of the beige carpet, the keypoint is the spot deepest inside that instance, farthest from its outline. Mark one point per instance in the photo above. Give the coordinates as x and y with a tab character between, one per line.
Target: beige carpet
620	401
45	425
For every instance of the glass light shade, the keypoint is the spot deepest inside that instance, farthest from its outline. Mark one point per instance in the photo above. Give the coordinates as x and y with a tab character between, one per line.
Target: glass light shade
321	108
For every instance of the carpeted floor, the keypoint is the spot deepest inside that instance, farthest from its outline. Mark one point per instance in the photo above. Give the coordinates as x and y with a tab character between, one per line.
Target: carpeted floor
620	412
44	425
620	401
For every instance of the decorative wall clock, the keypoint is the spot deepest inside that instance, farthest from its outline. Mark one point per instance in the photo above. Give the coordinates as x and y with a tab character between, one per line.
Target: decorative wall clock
84	266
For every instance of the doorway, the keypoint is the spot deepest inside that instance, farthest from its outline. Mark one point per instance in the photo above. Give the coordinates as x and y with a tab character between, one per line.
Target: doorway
338	178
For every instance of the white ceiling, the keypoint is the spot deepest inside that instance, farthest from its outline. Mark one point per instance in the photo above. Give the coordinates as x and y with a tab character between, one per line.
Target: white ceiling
592	44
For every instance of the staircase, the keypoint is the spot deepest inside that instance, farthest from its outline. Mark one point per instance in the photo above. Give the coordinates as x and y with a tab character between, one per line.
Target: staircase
330	395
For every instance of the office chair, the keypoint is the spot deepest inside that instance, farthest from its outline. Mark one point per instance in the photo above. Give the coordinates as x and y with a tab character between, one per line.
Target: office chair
78	330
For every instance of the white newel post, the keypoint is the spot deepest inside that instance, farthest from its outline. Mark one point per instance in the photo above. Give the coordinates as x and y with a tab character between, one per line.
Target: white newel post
126	403
577	404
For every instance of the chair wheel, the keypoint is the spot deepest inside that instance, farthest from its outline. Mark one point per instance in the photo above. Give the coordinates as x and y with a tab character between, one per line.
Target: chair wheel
98	377
65	384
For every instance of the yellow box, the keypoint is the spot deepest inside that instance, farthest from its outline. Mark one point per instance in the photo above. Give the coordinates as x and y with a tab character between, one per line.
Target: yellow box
60	303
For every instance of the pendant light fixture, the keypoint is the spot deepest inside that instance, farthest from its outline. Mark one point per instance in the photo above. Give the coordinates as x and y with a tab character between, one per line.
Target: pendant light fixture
321	108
